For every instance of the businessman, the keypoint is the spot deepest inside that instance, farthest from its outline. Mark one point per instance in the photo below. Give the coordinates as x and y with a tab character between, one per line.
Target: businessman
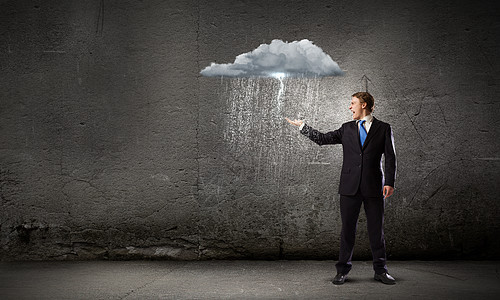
362	180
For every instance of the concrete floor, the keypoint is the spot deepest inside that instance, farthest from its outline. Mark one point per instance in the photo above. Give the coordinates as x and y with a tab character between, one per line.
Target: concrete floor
244	279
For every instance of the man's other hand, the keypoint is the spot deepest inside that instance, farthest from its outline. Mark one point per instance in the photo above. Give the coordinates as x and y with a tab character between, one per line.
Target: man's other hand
388	191
295	122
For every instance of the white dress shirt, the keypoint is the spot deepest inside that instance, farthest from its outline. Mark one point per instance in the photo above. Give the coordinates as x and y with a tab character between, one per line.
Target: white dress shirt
367	124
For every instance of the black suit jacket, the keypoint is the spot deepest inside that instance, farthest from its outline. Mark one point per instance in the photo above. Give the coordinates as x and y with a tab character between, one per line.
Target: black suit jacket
362	166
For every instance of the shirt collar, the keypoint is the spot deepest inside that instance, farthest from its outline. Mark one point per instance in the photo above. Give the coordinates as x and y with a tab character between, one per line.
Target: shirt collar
368	119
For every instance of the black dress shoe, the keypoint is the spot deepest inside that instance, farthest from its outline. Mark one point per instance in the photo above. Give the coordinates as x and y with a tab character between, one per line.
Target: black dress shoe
339	278
385	278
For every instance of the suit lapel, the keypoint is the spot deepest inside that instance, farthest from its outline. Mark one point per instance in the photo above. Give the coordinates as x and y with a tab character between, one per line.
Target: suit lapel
373	129
355	129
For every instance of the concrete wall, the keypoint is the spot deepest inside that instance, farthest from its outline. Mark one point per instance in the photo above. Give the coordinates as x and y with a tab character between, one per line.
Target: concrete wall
113	146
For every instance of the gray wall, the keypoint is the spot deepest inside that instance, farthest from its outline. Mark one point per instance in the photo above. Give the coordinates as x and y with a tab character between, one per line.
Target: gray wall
113	146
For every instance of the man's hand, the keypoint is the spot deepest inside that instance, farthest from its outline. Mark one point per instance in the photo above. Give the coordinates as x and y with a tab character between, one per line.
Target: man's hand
295	122
388	191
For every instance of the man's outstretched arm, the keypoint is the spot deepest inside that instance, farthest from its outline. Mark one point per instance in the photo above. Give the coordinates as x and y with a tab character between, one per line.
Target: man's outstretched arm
332	137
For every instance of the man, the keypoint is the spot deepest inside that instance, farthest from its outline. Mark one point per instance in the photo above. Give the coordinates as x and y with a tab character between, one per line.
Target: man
362	180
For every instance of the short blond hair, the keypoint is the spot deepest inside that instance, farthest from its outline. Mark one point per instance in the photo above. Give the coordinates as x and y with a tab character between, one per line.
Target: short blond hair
365	97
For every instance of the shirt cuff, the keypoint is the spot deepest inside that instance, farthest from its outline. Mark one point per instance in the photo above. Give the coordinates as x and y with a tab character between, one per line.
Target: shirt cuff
302	126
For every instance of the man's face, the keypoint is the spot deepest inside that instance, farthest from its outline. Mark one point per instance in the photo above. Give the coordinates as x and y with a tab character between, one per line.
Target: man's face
357	108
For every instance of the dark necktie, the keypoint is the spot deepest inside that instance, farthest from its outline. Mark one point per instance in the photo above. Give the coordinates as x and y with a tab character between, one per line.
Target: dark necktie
362	132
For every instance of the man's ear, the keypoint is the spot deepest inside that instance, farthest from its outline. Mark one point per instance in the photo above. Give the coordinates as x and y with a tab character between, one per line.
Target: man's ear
363	105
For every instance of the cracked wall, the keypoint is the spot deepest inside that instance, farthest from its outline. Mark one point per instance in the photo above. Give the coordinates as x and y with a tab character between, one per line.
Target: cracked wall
113	147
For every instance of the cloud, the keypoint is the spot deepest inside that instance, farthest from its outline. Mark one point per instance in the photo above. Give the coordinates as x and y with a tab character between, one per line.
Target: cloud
294	59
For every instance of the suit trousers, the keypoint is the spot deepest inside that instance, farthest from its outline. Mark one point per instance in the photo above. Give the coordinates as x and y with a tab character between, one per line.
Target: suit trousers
349	211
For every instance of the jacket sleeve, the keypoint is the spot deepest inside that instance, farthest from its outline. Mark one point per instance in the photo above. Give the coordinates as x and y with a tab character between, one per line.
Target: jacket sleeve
332	137
390	158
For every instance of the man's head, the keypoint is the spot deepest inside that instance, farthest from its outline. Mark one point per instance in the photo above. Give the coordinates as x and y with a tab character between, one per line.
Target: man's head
361	105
